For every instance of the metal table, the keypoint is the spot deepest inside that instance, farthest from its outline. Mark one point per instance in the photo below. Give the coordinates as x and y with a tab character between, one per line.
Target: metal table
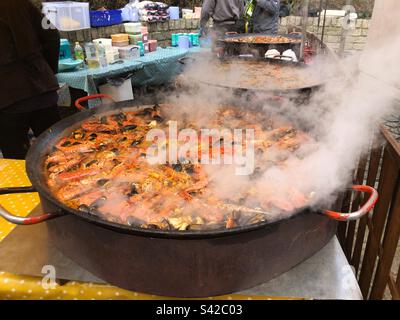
326	275
25	250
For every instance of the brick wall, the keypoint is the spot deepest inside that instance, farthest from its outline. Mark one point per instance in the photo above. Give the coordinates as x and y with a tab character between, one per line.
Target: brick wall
161	31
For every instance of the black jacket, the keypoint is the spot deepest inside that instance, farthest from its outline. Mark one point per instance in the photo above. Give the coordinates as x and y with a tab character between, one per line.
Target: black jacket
266	16
29	52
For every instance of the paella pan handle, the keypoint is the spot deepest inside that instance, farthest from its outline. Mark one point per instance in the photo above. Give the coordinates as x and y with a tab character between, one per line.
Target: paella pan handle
365	209
91	97
22	220
184	60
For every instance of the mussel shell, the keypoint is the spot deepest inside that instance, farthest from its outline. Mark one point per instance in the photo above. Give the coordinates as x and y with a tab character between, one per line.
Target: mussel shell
90	163
133	191
109	132
51	164
103	120
129	127
98	203
115	151
66	143
102	182
137	142
119	117
158	118
177	167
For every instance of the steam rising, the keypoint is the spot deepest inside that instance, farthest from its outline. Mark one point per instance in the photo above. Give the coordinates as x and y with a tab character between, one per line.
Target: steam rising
342	118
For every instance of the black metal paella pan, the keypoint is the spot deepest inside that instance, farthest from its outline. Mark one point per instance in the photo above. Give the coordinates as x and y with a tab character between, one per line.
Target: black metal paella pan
195	263
259	43
277	76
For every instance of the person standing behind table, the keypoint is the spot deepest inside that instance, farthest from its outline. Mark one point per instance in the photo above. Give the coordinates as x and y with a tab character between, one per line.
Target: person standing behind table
266	16
227	15
28	87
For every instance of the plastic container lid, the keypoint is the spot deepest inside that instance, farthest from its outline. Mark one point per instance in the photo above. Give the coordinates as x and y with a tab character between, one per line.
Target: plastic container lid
120	37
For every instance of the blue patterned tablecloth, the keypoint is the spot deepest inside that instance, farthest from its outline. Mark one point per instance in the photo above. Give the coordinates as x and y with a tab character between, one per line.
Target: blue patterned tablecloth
154	68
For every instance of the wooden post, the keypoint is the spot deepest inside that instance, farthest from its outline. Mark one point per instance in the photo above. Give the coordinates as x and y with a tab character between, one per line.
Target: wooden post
304	28
345	29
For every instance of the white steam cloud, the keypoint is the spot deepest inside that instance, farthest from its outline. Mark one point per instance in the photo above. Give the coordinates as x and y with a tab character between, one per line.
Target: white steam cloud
342	116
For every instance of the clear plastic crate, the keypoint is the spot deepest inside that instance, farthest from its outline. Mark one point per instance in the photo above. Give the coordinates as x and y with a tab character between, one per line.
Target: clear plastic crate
68	15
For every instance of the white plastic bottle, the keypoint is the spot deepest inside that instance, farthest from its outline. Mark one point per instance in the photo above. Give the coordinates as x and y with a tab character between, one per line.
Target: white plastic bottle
102	55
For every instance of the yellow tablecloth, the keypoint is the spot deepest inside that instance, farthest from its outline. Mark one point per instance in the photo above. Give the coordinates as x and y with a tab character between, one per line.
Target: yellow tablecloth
12	174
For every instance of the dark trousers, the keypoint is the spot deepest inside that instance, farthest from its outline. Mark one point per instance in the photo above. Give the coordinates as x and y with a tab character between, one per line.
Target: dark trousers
219	30
14	128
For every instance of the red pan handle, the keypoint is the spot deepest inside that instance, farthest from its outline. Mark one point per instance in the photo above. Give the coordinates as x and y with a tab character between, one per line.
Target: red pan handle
365	209
91	97
22	220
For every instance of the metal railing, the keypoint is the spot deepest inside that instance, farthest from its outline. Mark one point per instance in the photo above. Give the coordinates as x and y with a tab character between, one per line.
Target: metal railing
371	243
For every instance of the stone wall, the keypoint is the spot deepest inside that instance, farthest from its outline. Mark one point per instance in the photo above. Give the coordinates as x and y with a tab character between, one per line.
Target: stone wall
161	31
356	37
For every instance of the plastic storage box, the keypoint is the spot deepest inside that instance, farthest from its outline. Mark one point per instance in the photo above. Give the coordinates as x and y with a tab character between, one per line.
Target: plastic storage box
105	18
187	13
120	40
104	41
120	43
133	27
135	38
67	15
174	13
118	37
112	54
129	52
130	13
152	45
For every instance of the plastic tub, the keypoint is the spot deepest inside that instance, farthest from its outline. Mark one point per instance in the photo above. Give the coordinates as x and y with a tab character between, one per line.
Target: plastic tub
152	45
105	18
197	13
144	29
173	13
135	38
120	43
129	52
184	42
119	37
194	39
67	15
187	13
104	41
130	13
174	40
133	27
